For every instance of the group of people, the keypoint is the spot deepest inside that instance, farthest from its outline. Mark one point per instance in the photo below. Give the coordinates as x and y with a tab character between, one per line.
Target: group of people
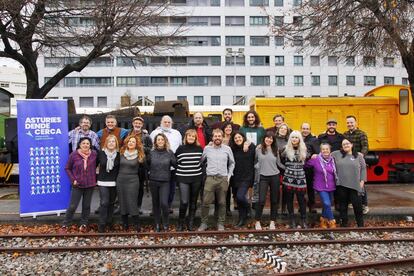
213	164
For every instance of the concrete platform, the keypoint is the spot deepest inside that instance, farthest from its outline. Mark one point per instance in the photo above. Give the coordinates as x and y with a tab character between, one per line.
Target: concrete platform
391	200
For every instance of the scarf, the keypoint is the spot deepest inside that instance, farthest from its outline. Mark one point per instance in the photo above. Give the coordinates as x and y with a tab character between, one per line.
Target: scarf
131	156
110	158
85	157
165	129
324	163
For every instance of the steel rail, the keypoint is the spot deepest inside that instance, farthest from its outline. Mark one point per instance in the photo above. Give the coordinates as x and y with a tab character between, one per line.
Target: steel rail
211	233
352	267
199	245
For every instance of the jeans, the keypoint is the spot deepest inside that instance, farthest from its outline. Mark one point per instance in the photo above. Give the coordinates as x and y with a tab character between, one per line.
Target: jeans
141	176
75	197
240	193
106	207
326	198
172	186
188	197
273	182
159	193
215	187
346	195
300	196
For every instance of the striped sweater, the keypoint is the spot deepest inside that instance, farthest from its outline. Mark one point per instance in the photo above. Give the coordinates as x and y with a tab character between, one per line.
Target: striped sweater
189	167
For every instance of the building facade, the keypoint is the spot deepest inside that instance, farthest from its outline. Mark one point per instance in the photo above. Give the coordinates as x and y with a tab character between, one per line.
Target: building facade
228	54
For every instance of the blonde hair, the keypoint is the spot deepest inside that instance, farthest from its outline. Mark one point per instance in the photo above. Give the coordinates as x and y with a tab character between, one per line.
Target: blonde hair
139	147
193	132
290	151
166	145
111	136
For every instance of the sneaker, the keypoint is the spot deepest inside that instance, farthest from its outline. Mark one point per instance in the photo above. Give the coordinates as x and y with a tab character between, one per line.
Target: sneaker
257	226
203	227
220	227
365	209
83	228
272	225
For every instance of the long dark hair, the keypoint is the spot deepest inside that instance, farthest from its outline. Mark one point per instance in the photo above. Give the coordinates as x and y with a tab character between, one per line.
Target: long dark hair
269	134
232	144
83	139
256	116
354	152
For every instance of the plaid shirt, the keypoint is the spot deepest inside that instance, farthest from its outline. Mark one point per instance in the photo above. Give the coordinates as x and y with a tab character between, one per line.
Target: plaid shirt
74	169
359	139
76	134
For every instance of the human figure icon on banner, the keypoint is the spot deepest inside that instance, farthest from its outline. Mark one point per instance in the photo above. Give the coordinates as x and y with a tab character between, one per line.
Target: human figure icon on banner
42	160
33	190
57	188
43	189
48	189
32	180
37	161
57	169
53	188
47	160
56	150
46	150
51	150
56	159
36	151
47	170
37	180
47	179
37	171
32	171
43	179
58	179
52	160
31	161
42	170
52	169
53	178
42	150
38	190
31	151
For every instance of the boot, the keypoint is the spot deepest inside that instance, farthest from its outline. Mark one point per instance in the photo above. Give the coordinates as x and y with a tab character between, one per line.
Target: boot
190	226
125	223
332	223
157	228
303	224
135	219
180	226
323	223
242	217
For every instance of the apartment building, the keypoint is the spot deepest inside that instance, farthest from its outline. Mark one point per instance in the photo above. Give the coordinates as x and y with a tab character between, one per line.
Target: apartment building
227	55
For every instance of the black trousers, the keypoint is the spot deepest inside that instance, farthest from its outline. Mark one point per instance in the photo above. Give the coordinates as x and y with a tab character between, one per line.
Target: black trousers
188	197
309	187
300	196
345	196
141	175
273	182
240	193
75	197
107	201
159	193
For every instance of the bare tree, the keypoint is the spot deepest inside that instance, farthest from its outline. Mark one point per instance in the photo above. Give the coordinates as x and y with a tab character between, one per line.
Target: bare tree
372	28
86	29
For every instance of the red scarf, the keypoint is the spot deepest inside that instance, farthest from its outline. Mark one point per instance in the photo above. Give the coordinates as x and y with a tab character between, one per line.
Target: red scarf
85	157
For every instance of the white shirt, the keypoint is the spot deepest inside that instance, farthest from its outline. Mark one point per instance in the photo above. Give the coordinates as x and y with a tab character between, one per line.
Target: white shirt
174	137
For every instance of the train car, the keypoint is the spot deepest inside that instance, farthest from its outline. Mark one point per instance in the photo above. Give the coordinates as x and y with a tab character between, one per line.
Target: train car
384	113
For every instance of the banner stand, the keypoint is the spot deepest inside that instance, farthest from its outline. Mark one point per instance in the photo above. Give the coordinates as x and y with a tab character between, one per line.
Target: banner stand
36	214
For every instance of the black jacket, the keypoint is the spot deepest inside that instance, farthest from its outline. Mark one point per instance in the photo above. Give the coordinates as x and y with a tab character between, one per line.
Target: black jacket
103	174
206	130
243	173
159	163
335	141
312	145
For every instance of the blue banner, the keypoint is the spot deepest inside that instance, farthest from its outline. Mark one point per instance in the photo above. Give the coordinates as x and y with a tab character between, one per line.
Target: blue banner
42	127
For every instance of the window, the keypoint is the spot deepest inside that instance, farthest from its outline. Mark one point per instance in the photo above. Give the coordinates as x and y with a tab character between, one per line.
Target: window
259	41
369	80
158	61
215	61
133	81
234	40
234	3
297	3
315	61
178	81
102	101
259	60
159	81
259	80
332	80
85	101
259	3
240	80
279	41
279	61
316	80
298	80
404	81
298	60
350	61
278	3
259	20
297	40
404	101
350	80
198	100
279	21
239	100
240	61
178	61
280	81
181	98
215	100
101	62
297	20
88	81
368	61
388	80
203	41
234	21
159	99
332	61
388	62
198	61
